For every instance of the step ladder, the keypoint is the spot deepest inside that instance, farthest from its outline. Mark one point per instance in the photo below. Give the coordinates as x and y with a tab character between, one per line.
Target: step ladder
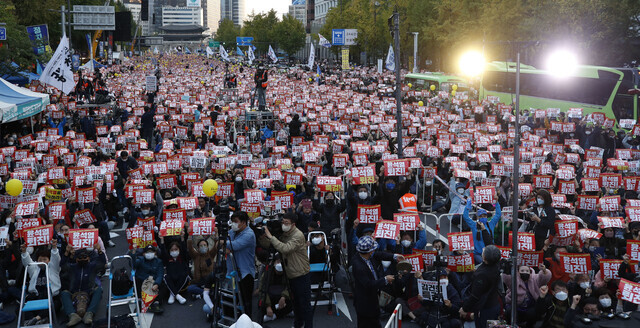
229	300
36	305
129	298
322	292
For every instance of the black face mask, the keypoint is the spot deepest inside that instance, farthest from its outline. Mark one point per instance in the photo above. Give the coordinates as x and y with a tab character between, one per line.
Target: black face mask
330	202
525	276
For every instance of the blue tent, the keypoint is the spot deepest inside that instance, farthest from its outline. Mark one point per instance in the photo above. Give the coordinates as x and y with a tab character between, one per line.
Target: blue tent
17	103
19	77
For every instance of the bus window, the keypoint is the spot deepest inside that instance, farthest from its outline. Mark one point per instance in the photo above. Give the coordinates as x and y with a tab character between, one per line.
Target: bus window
623	103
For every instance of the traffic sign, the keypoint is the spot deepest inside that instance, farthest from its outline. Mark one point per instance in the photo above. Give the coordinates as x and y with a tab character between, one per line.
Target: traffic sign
3	34
94	18
244	40
344	37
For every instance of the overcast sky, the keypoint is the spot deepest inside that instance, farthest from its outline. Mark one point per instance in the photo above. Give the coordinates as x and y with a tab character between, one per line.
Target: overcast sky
281	6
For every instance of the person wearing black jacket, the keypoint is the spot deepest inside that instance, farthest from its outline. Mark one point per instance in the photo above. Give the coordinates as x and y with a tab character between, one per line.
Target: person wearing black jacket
125	163
176	275
294	126
369	281
483	298
329	211
544	218
148	124
390	193
260	78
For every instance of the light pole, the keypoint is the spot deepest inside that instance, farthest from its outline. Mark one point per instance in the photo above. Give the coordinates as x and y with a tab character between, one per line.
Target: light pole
415	51
562	64
396	52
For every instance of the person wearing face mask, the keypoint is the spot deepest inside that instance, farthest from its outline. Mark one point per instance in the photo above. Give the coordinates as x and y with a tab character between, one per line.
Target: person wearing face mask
457	200
57	124
580	285
329	211
483	299
529	283
146	210
306	215
203	264
590	309
543	219
391	191
607	303
242	243
478	240
613	246
553	306
148	264
176	273
37	283
275	290
82	281
291	244
446	309
406	245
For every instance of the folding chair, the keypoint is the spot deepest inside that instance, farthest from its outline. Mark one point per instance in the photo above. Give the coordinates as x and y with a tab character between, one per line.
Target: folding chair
36	305
130	297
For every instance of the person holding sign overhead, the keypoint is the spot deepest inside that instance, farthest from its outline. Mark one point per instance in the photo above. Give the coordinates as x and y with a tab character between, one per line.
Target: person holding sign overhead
369	280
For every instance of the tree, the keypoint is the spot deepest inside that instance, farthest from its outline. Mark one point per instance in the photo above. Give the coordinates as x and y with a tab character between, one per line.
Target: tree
262	28
17	48
290	34
227	32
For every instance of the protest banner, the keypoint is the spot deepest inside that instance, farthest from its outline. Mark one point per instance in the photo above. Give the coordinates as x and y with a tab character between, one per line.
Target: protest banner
408	221
460	241
576	263
38	236
629	291
369	213
83	217
386	229
461	263
432	290
610	268
526	241
171	228
83	238
202	227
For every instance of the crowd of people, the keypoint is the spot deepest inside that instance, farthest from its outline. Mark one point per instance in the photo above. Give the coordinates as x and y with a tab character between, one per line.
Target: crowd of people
326	172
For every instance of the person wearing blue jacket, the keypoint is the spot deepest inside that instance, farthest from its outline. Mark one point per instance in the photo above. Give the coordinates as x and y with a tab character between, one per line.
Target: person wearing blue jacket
407	244
481	214
58	125
149	265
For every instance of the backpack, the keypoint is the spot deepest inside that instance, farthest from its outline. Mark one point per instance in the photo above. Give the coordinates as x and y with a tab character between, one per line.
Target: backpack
121	283
119	321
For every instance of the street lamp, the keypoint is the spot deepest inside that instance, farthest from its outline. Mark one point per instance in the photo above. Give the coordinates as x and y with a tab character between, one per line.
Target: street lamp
562	63
472	63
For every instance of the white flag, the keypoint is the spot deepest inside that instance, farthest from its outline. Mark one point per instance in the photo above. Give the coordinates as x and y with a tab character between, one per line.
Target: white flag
224	54
272	55
390	63
209	51
250	55
323	42
312	56
58	71
155	50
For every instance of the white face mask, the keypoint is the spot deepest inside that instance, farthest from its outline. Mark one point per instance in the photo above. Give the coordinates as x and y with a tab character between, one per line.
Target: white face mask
234	226
149	255
386	264
145	212
460	191
286	227
588	132
540	201
584	285
238	179
444	282
204	249
362	195
561	296
316	240
428	183
174	254
10	143
278	267
605	302
7	220
406	243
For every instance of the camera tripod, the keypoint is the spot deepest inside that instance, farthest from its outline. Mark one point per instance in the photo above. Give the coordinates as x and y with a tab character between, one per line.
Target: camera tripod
227	297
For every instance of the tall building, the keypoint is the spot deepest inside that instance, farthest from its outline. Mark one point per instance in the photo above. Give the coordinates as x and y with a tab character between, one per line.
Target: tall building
298	9
233	10
311	10
211	15
181	16
321	9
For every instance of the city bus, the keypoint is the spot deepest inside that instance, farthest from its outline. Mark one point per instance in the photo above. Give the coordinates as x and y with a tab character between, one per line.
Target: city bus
592	88
423	81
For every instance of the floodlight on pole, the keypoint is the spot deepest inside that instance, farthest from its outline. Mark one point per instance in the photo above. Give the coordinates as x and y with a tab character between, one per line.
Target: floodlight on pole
472	63
562	63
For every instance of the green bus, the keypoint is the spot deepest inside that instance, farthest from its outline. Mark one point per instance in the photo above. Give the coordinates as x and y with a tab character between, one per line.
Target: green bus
592	88
423	81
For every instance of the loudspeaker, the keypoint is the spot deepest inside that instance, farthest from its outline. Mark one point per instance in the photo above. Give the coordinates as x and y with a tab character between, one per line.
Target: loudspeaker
144	10
123	26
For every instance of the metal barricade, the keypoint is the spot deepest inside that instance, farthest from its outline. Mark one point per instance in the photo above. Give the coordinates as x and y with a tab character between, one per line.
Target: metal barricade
424	217
395	321
449	217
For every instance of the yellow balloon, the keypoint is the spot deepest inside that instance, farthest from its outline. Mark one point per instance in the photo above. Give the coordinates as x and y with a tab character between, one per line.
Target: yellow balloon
14	187
409	85
310	79
454	87
453	93
210	187
432	87
420	103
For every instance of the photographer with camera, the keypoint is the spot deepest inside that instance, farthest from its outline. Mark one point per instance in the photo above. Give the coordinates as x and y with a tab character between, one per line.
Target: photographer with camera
242	244
292	245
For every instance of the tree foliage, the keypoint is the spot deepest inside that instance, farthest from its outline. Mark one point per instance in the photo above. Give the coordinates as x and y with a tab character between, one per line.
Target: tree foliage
290	34
227	32
261	27
17	48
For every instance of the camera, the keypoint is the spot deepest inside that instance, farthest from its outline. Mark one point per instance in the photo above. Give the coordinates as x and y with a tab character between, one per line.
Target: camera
505	266
223	214
528	214
273	224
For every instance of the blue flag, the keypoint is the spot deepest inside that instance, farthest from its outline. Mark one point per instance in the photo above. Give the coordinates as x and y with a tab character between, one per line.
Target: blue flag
318	72
239	52
88	36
